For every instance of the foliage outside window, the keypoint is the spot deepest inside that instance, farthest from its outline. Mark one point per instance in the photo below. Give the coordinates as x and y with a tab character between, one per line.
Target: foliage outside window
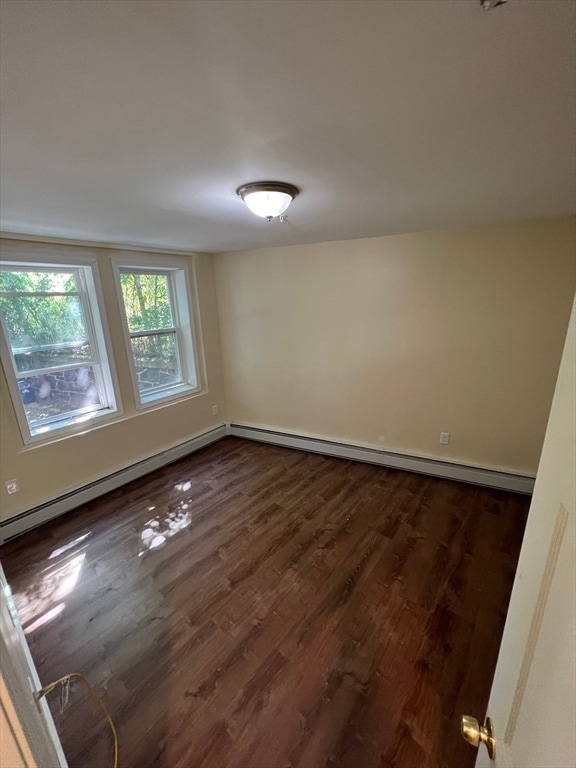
159	326
53	336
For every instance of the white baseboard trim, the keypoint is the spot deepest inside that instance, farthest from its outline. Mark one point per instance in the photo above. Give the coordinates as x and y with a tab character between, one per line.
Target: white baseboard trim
25	521
476	475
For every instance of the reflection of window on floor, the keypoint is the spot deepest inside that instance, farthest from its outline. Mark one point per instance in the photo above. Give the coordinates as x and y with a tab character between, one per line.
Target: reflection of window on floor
44	600
159	529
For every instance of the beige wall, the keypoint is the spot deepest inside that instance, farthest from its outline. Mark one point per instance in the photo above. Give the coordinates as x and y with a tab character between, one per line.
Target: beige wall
46	472
387	341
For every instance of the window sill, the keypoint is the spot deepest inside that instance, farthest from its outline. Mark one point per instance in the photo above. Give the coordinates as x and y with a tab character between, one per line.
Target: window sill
163	396
74	425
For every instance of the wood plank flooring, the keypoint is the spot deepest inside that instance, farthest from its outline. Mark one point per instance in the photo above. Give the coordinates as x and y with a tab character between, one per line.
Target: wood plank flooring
252	606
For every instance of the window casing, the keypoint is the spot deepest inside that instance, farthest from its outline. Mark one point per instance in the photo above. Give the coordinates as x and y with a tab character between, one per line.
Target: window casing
157	311
54	348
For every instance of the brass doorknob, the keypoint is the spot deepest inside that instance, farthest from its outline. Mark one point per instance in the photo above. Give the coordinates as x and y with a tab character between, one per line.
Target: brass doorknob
474	733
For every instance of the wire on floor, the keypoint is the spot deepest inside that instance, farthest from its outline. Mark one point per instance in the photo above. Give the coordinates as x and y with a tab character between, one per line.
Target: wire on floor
77	676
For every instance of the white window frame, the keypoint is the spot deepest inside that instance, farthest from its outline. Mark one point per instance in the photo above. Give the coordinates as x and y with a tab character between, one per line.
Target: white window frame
91	297
183	297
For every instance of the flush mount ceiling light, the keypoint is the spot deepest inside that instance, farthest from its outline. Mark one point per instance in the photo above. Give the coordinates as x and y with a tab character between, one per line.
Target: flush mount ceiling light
267	199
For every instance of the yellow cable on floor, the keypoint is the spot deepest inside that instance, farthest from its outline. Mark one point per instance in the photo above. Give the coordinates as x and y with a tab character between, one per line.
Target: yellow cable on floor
76	675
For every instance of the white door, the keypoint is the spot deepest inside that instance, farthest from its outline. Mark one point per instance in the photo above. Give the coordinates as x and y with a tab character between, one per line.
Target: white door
533	698
28	737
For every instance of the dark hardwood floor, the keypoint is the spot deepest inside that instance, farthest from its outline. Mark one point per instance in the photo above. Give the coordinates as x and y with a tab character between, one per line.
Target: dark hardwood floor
258	607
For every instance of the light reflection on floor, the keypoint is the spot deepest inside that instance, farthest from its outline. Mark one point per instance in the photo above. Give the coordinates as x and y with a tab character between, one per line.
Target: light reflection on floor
159	529
44	600
46	618
66	547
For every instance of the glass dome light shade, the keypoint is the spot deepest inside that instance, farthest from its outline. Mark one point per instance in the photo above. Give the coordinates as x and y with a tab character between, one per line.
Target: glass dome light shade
267	199
267	204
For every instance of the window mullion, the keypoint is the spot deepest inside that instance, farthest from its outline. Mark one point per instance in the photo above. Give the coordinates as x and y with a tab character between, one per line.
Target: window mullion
155	332
176	318
54	369
36	294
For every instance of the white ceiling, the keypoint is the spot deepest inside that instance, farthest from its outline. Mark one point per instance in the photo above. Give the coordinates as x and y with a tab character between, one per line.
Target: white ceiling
134	122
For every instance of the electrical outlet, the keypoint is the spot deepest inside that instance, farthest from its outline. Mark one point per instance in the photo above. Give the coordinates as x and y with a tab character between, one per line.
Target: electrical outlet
381	439
444	438
12	486
214	410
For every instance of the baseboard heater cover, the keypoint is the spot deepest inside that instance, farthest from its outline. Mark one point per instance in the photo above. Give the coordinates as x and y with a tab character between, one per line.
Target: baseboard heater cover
435	467
32	518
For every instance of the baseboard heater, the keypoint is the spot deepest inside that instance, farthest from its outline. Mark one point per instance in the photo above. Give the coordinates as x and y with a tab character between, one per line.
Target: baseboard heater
445	469
51	509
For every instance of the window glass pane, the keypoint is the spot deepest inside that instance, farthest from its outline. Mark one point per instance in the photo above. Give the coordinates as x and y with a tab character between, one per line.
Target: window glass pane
147	301
59	394
156	360
37	321
19	280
